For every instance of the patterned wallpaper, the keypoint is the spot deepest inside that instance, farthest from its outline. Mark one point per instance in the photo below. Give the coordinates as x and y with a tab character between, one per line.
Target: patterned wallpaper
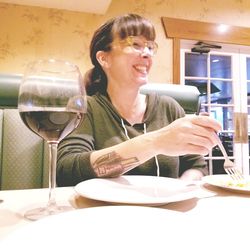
29	33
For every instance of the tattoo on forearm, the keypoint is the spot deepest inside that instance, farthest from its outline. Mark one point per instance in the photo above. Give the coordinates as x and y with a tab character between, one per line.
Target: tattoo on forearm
112	165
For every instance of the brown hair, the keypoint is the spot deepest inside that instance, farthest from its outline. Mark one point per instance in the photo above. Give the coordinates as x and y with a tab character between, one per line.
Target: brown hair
123	26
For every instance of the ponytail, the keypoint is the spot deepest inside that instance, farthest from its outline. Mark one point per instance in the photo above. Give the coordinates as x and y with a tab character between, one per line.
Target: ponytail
95	80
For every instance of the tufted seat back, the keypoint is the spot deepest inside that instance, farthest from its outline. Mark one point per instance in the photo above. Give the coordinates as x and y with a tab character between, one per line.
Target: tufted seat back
23	154
187	96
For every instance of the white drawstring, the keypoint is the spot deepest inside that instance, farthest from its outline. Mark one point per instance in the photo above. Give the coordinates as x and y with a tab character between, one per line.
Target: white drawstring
125	130
145	131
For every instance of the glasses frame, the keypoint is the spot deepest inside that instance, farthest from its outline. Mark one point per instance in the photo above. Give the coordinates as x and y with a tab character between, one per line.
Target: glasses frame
139	46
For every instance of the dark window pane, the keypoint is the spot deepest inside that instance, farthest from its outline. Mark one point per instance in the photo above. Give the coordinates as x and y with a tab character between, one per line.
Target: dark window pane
224	115
195	65
220	66
248	69
221	92
248	109
248	94
227	141
200	84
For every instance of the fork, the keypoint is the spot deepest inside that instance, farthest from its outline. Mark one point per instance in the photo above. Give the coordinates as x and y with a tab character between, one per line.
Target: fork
229	167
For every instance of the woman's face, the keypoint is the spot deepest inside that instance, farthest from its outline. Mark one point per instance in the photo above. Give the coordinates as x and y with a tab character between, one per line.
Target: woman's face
129	61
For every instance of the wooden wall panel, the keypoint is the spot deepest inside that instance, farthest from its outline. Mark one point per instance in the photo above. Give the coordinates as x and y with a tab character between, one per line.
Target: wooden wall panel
214	32
176	61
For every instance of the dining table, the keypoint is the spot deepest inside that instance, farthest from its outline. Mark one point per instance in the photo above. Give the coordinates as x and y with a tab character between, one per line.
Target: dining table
214	218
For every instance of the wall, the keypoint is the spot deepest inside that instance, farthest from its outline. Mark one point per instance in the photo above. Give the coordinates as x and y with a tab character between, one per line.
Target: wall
29	33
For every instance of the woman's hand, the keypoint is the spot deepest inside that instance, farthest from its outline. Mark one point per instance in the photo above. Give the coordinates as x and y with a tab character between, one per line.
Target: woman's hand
188	135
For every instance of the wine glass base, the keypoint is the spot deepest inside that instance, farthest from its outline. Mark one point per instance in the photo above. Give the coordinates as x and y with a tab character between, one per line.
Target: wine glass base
42	212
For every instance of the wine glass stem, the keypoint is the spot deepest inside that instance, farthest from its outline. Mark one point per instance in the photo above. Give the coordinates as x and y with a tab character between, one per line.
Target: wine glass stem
52	174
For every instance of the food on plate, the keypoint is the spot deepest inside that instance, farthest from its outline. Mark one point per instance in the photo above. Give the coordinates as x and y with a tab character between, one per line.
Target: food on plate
244	184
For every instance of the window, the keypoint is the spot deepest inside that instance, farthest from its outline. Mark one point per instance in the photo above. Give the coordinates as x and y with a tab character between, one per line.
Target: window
223	79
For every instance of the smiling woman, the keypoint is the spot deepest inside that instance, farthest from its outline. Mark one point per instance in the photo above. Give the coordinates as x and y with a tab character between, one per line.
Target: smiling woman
126	131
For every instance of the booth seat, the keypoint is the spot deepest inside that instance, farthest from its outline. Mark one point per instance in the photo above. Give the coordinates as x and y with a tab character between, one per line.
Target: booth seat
24	155
187	96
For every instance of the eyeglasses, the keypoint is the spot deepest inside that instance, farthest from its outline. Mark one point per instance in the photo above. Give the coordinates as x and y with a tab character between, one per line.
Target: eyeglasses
138	45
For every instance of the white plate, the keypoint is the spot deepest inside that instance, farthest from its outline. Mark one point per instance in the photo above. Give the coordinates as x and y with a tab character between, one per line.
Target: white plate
225	182
133	189
107	227
128	228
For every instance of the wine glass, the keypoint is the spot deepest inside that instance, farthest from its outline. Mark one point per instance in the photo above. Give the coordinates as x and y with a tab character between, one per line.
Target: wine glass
52	103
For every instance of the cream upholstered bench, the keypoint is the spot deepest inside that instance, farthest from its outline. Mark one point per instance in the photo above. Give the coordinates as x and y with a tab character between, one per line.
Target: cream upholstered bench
24	155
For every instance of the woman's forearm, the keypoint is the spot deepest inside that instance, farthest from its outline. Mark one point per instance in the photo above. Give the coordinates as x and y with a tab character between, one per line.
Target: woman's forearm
121	158
187	135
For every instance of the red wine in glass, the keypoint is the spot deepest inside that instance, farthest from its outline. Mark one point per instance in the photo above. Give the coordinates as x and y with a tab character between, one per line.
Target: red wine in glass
52	103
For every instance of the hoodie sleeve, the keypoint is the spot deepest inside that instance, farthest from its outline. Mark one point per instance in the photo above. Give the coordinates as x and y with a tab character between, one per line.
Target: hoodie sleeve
73	161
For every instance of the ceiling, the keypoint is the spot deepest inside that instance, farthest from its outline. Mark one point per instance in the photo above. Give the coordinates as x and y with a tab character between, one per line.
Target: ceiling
89	6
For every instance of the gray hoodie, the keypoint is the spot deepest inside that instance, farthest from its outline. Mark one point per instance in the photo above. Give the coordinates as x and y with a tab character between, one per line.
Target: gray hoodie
102	127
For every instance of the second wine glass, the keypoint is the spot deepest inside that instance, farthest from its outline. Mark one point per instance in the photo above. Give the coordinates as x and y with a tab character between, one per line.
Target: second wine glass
52	103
